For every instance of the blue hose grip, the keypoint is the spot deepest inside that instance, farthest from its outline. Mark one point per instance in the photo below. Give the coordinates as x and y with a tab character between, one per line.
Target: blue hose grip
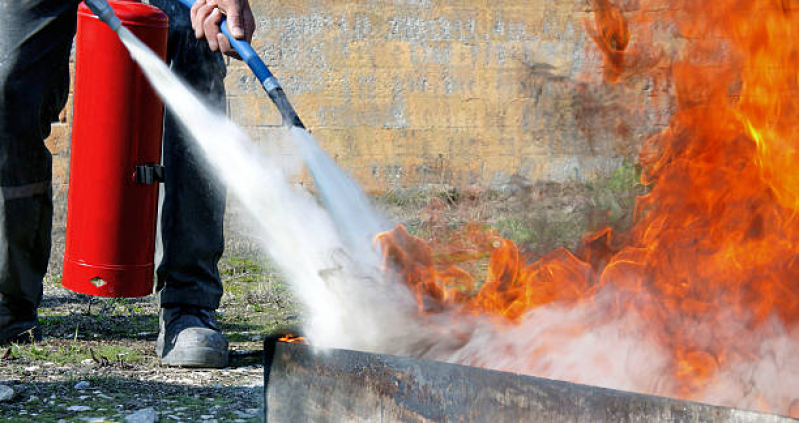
248	55
258	67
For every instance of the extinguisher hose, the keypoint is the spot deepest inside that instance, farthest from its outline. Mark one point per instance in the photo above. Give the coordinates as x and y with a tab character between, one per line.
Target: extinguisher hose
243	48
261	71
105	13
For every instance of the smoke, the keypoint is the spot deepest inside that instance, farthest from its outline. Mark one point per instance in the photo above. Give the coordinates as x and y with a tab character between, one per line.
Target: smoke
296	232
769	380
327	255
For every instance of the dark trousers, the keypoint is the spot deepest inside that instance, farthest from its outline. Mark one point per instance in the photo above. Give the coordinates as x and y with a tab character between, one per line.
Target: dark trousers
35	44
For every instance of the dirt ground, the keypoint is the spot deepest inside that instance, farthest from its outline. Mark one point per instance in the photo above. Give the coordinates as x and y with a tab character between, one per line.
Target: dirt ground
97	360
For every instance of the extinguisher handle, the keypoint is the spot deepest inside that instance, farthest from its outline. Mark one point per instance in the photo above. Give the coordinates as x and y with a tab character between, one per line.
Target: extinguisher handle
261	71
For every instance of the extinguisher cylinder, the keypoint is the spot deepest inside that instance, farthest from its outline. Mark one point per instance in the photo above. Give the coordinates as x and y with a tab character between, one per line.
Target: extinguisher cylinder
115	156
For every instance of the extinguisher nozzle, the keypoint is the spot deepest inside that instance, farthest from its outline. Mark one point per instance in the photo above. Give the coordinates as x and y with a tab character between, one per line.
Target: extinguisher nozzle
103	10
287	112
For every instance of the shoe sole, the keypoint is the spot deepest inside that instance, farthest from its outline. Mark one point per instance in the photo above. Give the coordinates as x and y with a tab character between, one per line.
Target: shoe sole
196	357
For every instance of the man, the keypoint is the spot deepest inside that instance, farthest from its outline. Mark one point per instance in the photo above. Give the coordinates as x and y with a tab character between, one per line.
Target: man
35	43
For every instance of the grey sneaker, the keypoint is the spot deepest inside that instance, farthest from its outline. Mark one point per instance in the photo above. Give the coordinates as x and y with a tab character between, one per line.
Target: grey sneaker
189	337
18	324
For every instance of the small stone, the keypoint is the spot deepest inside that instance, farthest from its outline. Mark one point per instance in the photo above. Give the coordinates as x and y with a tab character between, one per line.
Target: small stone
32	398
243	415
81	385
6	393
79	408
145	415
173	417
206	417
87	362
32	368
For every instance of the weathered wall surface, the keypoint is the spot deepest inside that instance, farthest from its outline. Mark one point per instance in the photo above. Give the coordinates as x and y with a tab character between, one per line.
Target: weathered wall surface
408	93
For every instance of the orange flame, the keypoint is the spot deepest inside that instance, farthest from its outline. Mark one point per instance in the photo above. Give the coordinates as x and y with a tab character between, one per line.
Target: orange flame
293	339
611	36
716	238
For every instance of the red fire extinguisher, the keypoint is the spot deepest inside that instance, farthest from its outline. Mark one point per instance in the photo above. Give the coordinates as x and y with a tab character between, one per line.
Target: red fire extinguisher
115	157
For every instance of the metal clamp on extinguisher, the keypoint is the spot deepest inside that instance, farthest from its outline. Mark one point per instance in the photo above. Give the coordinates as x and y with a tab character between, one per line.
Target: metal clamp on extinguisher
149	174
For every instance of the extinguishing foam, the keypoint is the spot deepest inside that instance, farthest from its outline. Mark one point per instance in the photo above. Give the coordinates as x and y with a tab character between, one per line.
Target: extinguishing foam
300	236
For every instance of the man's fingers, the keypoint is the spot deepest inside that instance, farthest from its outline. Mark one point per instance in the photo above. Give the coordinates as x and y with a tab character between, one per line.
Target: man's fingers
237	13
225	47
206	15
234	23
200	16
193	13
249	24
211	27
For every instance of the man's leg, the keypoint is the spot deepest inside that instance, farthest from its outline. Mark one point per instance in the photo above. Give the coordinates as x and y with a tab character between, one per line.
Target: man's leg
35	43
192	216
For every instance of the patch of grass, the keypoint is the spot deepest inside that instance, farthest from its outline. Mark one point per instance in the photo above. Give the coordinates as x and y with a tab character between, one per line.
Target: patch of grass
517	231
236	264
52	278
616	194
541	235
75	353
403	198
241	274
565	212
238	337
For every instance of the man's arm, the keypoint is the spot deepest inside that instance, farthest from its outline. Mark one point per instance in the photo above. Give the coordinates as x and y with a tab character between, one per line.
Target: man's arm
207	14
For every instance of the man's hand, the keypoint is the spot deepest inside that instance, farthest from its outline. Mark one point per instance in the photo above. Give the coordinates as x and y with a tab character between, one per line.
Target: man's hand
207	14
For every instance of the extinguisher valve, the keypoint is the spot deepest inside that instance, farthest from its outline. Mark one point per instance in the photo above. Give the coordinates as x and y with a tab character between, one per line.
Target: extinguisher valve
149	174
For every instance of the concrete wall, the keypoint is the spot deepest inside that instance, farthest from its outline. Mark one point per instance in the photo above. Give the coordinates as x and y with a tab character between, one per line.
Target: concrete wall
408	93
